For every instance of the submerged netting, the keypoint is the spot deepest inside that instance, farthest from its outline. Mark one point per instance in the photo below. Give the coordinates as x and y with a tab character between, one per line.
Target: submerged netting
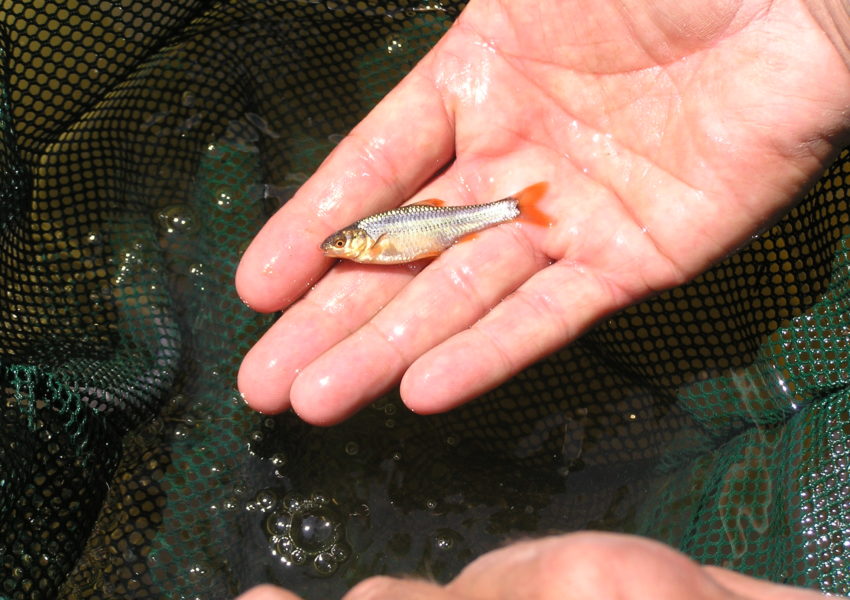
143	144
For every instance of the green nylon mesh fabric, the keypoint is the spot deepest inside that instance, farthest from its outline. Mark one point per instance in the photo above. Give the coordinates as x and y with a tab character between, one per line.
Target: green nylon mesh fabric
143	144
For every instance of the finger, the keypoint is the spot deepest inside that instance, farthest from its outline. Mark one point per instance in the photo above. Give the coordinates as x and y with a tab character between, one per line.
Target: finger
339	304
383	161
579	566
449	295
551	309
345	298
267	592
500	572
389	588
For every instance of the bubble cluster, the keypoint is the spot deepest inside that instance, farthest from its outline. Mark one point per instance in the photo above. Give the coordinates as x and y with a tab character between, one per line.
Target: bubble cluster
306	531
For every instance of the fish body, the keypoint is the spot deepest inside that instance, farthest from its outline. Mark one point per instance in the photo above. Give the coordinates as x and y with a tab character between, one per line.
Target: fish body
427	228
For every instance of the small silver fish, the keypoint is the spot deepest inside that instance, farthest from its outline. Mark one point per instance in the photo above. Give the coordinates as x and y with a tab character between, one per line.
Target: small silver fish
425	229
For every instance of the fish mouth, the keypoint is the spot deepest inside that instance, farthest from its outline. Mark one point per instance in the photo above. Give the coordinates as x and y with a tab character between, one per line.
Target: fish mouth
329	247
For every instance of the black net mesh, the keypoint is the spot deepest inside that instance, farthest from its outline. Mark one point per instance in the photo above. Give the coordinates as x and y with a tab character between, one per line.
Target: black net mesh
143	144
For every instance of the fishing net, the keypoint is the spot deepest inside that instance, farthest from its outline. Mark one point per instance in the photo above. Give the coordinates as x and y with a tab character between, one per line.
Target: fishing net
143	144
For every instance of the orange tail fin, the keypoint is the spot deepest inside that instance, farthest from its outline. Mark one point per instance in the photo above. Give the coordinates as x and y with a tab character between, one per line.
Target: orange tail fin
527	201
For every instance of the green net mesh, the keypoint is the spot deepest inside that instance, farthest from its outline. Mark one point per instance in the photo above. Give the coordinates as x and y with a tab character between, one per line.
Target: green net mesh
143	144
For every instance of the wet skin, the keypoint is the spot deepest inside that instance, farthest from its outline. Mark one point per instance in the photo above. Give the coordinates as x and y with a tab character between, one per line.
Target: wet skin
649	120
670	131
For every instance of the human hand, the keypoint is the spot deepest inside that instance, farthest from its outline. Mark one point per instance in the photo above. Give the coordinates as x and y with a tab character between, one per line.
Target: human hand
579	566
669	132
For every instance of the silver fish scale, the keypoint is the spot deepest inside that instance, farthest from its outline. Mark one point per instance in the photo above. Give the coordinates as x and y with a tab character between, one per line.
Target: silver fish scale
447	223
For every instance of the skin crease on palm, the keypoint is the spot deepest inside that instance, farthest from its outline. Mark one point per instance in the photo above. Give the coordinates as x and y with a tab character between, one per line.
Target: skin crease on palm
669	132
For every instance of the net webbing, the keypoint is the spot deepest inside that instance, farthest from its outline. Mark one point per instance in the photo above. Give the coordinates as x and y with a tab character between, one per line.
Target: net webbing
143	144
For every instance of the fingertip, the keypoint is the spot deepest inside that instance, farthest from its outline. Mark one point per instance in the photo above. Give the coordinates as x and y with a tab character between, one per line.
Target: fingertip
263	280
411	389
259	382
251	284
347	377
283	260
321	400
248	288
434	384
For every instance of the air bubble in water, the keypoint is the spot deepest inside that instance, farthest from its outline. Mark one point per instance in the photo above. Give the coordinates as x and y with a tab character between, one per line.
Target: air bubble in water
308	530
224	201
177	219
396	46
444	539
313	530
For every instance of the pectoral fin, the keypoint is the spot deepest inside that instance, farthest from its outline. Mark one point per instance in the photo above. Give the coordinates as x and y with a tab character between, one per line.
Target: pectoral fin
380	249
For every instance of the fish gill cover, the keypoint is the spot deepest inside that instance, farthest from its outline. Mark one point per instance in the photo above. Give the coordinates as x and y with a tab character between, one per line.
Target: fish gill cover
143	144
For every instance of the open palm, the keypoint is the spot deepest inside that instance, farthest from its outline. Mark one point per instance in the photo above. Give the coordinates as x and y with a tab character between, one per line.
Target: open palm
669	132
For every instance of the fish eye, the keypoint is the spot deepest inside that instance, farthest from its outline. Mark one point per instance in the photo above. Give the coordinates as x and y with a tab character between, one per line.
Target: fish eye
339	243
